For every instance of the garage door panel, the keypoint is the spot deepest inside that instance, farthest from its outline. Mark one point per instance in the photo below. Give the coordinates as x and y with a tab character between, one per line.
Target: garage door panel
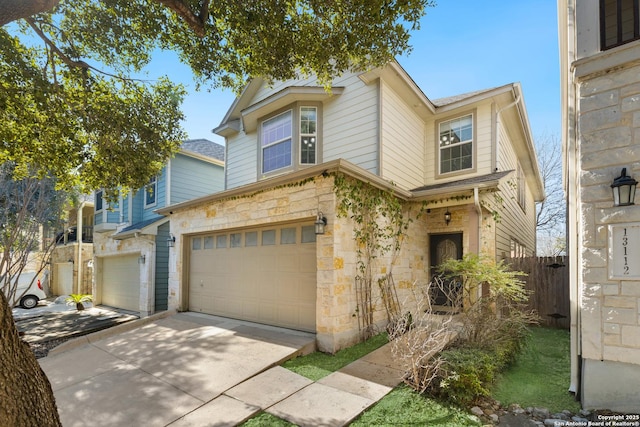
269	283
121	282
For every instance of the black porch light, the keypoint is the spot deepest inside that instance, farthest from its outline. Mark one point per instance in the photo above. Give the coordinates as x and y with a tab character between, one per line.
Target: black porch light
320	223
447	217
171	241
624	189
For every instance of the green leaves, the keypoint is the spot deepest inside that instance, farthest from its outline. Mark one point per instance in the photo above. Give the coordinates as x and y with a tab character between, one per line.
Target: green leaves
86	130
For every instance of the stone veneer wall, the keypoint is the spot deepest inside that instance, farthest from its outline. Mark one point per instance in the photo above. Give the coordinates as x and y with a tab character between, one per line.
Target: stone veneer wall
609	139
64	253
336	308
105	246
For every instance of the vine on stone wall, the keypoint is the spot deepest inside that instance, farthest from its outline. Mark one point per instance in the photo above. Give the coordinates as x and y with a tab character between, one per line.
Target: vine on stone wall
380	225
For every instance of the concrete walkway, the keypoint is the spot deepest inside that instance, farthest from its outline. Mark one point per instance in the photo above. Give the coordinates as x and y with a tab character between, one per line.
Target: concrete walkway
195	370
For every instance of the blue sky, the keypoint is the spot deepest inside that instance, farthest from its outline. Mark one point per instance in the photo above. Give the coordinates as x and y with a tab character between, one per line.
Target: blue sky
463	46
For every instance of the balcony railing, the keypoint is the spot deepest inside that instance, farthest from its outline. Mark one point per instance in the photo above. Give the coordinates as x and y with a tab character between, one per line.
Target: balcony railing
71	235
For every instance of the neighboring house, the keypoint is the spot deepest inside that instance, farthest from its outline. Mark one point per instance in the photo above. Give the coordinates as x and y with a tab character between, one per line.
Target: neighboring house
131	241
600	80
250	252
72	257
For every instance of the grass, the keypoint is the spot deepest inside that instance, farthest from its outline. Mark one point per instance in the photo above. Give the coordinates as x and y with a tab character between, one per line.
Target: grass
403	406
540	375
318	365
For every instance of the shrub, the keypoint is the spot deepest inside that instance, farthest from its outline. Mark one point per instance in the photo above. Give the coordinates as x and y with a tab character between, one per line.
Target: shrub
458	355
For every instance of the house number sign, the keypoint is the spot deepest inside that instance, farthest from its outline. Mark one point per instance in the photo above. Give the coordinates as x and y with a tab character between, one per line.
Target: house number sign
624	251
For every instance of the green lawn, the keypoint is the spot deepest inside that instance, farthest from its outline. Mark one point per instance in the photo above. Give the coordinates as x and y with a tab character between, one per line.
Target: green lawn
539	377
541	374
318	365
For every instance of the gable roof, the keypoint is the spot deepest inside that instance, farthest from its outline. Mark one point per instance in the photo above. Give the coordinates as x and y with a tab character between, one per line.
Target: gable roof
204	147
441	102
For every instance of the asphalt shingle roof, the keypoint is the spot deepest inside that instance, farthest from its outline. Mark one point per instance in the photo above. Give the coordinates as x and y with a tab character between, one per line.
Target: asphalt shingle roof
204	147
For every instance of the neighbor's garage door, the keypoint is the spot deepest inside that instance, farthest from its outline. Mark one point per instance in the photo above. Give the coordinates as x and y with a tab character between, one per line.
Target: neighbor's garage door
265	275
121	282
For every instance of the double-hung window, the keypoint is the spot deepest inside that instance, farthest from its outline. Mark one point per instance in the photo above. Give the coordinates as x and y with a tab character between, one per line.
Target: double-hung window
619	22
150	191
276	142
456	144
277	138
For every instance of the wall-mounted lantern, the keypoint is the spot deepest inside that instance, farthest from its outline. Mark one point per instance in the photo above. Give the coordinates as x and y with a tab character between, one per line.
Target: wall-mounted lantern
142	259
624	189
447	217
320	223
171	241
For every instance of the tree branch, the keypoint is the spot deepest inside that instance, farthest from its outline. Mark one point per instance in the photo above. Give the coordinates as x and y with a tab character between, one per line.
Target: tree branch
195	22
65	58
11	10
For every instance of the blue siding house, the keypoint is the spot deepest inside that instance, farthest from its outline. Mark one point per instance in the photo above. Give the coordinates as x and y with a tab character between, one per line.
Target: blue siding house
132	241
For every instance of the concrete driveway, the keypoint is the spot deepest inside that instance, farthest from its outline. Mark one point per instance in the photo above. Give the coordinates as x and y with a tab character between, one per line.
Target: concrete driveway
152	372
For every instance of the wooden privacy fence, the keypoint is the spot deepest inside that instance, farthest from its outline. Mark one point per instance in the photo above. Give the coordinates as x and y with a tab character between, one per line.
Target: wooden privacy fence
548	281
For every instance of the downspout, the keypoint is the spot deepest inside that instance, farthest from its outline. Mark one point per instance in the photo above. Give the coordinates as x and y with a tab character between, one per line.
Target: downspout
79	236
476	203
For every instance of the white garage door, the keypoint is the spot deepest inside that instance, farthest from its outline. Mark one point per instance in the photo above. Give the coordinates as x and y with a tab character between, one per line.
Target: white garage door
265	275
121	282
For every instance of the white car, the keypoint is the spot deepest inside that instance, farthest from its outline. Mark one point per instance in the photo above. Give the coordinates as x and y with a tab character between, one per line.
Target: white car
29	291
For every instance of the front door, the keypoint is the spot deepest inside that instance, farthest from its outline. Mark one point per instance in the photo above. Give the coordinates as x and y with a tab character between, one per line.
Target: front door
441	248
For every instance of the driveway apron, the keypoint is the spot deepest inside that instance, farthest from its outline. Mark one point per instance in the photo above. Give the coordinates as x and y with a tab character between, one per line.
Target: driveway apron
157	373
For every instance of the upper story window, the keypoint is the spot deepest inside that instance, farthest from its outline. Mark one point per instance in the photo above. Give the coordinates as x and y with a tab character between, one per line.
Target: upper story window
98	203
308	135
456	144
150	191
619	23
277	136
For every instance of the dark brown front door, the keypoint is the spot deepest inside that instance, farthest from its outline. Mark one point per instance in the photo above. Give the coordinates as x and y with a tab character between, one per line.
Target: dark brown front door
441	248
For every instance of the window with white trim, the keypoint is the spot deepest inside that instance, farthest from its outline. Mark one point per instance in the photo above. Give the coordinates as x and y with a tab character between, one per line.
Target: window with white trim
456	144
276	142
277	134
150	192
308	135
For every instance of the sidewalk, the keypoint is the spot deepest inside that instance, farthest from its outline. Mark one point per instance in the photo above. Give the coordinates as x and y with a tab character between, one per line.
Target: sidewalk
188	369
335	400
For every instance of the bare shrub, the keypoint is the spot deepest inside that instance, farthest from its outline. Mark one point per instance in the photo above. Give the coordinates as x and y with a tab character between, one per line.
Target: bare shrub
479	311
419	335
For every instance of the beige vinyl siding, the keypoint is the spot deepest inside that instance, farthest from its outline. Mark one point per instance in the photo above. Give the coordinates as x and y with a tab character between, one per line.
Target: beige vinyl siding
403	141
242	156
515	223
483	144
350	125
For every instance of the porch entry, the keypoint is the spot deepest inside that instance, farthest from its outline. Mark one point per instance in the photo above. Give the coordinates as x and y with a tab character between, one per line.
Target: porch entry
441	248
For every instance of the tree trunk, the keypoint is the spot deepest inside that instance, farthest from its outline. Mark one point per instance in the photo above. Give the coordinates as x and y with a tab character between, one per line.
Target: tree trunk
11	10
26	397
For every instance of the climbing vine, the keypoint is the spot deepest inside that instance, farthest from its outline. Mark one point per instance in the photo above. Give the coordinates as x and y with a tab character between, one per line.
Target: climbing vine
380	221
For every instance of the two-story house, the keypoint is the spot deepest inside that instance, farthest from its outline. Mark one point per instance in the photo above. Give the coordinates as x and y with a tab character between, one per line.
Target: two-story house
132	241
251	252
600	82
